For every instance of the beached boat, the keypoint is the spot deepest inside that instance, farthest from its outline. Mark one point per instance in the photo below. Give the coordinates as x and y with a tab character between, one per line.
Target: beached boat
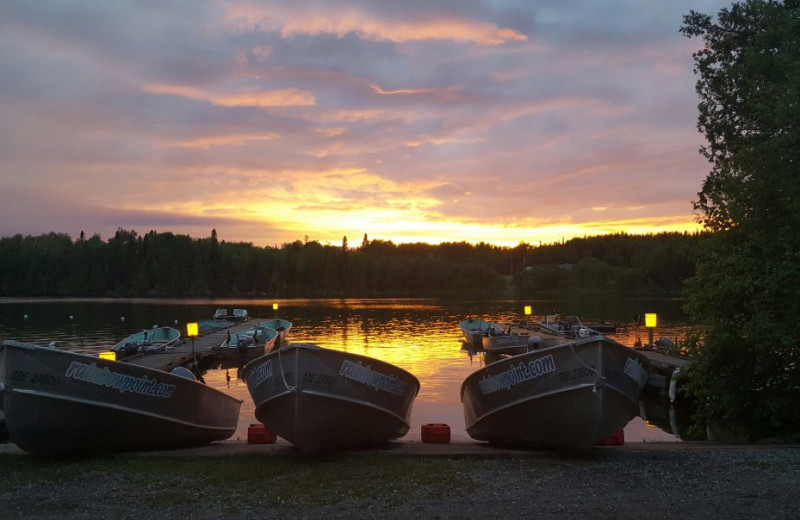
56	401
148	341
570	395
236	315
567	326
474	331
281	326
252	342
321	399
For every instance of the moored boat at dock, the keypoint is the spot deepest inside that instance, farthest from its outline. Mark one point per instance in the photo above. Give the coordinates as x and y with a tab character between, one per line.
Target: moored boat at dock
59	402
251	342
474	330
281	326
570	395
567	326
511	344
148	341
236	315
322	399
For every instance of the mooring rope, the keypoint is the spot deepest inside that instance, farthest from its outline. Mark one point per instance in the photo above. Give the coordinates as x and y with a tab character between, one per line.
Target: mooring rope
283	376
599	381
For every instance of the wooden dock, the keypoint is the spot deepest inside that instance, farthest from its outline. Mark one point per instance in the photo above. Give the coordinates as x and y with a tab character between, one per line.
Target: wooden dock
200	351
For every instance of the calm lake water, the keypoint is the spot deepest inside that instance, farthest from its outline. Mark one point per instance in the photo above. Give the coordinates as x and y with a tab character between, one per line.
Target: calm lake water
419	335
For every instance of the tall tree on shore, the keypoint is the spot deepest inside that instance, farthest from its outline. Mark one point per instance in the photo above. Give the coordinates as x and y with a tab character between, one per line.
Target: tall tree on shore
745	292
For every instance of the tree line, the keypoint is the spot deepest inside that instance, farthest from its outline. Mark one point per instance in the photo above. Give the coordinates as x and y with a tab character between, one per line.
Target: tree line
167	264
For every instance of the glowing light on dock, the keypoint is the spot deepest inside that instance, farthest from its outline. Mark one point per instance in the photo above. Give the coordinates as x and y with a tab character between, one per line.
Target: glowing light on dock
191	329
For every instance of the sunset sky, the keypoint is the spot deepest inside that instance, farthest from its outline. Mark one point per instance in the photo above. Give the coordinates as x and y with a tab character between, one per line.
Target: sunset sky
478	120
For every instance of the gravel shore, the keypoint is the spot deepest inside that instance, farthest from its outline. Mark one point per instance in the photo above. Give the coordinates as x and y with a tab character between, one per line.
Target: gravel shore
657	480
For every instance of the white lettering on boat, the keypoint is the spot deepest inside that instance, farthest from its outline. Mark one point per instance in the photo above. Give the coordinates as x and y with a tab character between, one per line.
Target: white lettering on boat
120	382
376	380
635	371
260	374
518	374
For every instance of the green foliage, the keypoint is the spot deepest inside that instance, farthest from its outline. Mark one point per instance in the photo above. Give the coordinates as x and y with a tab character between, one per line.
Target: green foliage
630	263
744	294
165	264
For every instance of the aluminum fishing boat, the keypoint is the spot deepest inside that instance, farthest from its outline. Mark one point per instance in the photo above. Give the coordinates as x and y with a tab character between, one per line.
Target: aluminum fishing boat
511	344
148	341
321	399
56	401
474	330
570	395
282	326
252	342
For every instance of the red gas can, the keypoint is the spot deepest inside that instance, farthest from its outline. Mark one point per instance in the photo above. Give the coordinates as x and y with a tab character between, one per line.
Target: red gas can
435	432
259	434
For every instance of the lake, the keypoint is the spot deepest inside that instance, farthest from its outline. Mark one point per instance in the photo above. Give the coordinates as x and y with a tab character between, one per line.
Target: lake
419	335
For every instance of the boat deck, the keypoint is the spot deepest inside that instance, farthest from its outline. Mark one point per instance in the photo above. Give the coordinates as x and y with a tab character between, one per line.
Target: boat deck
183	353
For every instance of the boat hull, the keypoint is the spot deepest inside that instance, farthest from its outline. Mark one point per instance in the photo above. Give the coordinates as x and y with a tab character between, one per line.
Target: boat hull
64	402
321	399
511	344
566	396
281	326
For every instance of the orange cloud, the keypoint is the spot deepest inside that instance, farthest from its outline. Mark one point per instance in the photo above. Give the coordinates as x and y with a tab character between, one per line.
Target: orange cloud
240	98
340	22
224	140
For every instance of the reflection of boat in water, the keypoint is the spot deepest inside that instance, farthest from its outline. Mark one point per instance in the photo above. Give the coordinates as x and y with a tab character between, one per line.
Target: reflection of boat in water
673	418
567	326
251	342
321	399
61	402
474	331
148	341
281	326
570	395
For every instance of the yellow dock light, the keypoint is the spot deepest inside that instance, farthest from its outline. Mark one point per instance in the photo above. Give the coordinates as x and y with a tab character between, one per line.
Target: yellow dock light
528	310
650	320
109	355
191	329
274	306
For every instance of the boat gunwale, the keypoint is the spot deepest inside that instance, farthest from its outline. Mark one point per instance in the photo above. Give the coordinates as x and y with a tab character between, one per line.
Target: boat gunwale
277	352
108	362
532	353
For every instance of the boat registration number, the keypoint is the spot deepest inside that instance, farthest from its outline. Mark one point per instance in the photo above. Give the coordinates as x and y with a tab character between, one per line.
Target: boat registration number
23	376
319	379
575	373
